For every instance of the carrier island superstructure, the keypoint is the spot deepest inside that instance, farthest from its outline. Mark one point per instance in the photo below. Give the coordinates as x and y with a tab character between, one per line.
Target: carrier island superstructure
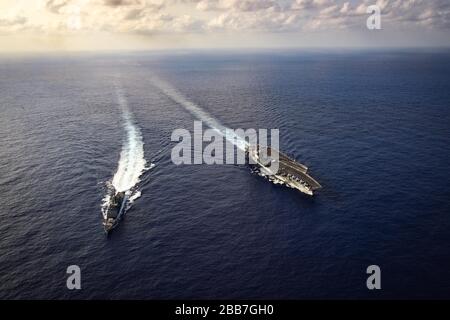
290	172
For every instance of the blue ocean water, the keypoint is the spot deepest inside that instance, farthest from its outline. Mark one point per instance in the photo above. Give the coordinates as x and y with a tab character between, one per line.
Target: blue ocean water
373	127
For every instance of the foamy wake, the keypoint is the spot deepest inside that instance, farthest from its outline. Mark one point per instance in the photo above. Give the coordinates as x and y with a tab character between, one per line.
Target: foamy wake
200	114
209	120
132	163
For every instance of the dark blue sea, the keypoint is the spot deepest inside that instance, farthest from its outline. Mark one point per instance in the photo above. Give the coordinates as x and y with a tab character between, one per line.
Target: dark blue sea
373	128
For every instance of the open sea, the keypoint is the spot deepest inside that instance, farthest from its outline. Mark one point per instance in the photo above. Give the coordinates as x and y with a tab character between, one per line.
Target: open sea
373	127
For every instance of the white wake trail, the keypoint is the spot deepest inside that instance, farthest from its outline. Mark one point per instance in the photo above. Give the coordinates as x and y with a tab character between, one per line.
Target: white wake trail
200	114
132	162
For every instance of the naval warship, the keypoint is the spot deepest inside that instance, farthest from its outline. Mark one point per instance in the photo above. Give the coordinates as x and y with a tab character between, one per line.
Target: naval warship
114	211
290	172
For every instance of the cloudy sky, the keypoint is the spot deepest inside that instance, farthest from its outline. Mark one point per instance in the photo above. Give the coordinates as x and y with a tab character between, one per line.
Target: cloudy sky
41	25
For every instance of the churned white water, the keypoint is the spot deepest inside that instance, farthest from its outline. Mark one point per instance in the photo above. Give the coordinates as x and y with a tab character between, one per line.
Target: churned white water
132	161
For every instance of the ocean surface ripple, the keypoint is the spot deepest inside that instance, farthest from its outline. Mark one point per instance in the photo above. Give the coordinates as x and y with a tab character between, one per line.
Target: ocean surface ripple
372	127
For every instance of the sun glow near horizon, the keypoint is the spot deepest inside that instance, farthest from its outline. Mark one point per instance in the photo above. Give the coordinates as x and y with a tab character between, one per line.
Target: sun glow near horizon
71	25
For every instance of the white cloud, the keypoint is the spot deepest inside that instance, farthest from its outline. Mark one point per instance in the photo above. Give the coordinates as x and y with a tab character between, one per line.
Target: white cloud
13	22
197	16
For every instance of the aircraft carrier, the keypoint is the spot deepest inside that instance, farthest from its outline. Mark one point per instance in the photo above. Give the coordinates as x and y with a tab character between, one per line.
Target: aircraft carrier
290	172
